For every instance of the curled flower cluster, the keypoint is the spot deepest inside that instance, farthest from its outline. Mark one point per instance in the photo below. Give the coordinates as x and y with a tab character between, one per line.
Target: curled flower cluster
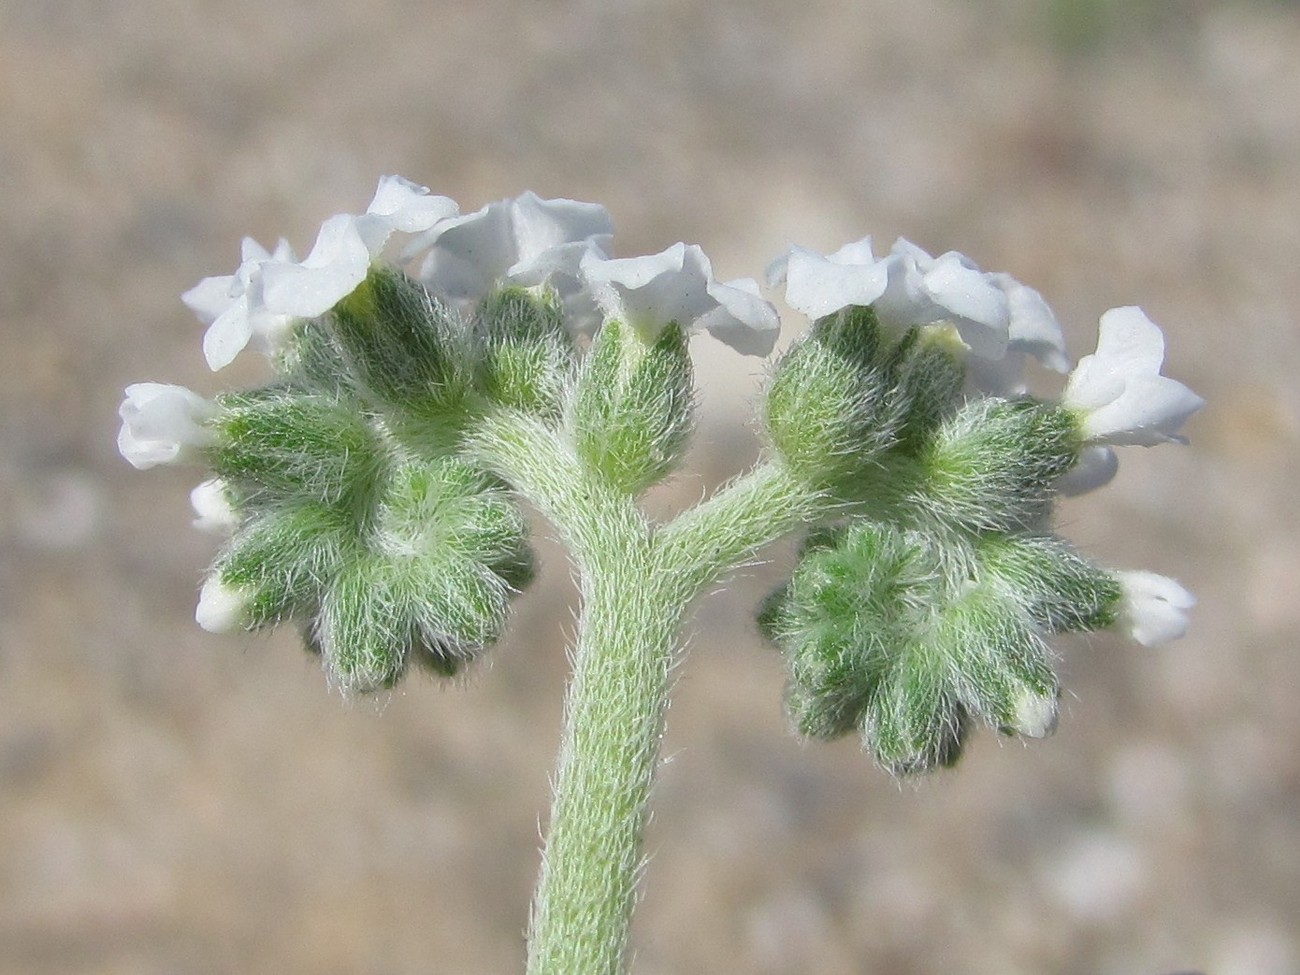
925	607
355	501
343	488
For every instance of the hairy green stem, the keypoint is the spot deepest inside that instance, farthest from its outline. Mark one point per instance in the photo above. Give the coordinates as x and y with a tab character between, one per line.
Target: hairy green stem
637	581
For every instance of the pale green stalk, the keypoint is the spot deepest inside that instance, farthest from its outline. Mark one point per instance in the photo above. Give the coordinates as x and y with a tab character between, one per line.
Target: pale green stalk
637	580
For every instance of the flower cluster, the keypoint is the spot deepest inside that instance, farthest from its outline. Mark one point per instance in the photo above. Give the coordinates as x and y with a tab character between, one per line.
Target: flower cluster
355	499
925	607
348	501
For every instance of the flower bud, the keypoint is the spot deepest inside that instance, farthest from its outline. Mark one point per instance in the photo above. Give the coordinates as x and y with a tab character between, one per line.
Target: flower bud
1061	591
222	608
164	424
830	410
283	558
1153	609
848	393
905	637
214	507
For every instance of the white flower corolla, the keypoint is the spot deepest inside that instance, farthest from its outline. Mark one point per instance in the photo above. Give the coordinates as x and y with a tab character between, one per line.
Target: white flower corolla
1153	608
346	246
525	241
211	503
998	319
677	285
231	306
221	608
164	424
1032	331
1118	390
819	285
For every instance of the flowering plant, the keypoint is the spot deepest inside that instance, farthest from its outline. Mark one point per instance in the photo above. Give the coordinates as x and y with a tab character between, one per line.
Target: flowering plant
432	370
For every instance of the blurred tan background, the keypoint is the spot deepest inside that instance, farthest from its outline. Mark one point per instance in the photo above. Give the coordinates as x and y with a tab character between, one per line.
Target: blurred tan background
172	802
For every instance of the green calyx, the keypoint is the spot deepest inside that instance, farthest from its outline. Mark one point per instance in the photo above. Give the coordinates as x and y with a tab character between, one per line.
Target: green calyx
994	464
632	410
847	394
527	354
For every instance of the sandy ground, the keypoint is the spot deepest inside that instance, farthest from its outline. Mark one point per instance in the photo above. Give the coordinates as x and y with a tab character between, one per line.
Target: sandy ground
172	802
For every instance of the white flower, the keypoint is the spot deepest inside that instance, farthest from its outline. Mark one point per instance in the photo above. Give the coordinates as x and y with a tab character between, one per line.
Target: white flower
818	285
231	306
677	285
221	608
346	246
211	502
526	241
163	424
1032	331
1119	392
997	318
1153	608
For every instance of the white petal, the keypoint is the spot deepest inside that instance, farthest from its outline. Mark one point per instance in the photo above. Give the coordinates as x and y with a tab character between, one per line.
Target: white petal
539	225
975	305
211	297
1149	412
221	608
1154	607
819	286
744	320
337	263
228	335
211	502
409	207
163	424
1033	328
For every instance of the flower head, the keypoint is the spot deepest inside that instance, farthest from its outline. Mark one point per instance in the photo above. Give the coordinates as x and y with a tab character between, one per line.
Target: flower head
1118	390
1153	608
163	424
677	285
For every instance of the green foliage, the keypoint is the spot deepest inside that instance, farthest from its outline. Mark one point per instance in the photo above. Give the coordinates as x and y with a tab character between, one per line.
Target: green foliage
632	409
